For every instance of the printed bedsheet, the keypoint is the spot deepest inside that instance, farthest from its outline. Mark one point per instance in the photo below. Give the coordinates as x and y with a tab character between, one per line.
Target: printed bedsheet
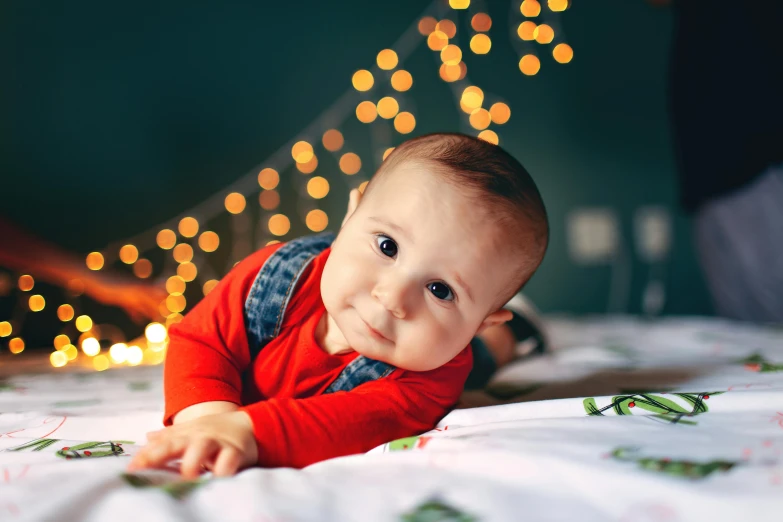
626	420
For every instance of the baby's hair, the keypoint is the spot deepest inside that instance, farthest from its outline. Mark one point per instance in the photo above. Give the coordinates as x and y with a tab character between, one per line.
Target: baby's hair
500	185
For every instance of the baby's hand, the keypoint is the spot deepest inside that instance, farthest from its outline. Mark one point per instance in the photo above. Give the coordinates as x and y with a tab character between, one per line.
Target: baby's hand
223	443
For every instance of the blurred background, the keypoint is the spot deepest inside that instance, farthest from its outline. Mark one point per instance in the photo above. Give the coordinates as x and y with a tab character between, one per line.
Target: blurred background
119	121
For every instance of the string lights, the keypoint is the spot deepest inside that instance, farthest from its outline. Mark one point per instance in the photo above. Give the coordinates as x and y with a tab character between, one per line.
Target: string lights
378	97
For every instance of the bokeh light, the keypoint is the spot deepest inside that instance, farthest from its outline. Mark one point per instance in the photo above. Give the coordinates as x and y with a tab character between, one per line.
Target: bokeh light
404	122
480	119
388	107
268	179
208	241
100	363
557	5
401	80
166	239
65	312
58	359
176	303
437	40
427	25
525	30
350	163
302	152
155	333
308	167
459	4
269	199
490	136
5	284
529	64
317	220
472	97
61	341
36	303
387	59
94	260
366	112
544	34
16	345
500	113
183	253
480	44
91	347
118	353
235	203
70	352
142	268
363	186
209	286
26	283
129	254
6	329
332	139
530	8
447	27
188	272
449	73
387	152
451	54
83	323
481	22
279	225
362	80
175	285
563	53
134	355
188	227
318	187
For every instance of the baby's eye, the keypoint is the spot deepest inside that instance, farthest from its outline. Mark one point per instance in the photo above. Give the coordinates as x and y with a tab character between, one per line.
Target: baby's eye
441	291
387	245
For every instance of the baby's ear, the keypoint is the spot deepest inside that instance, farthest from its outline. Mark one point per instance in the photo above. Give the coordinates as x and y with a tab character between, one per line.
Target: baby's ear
353	202
495	318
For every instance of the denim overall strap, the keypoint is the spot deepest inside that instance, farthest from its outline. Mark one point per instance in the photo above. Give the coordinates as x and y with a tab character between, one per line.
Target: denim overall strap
272	289
269	297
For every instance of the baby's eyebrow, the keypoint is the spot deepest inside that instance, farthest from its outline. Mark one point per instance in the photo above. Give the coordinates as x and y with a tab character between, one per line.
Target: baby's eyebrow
398	229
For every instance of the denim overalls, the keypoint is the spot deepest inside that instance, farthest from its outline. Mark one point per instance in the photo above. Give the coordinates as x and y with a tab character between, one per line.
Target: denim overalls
271	292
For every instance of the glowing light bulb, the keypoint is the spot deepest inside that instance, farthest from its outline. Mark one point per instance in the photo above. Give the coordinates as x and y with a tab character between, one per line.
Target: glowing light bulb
94	260
268	179
155	333
401	80
333	139
129	254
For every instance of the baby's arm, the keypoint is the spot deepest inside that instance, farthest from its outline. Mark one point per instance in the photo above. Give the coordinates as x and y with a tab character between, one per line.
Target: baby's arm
208	351
299	432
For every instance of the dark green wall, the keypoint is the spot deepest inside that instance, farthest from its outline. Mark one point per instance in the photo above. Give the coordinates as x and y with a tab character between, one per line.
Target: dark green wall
115	118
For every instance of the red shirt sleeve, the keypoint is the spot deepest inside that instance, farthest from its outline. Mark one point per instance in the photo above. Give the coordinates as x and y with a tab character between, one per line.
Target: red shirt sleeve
298	432
208	349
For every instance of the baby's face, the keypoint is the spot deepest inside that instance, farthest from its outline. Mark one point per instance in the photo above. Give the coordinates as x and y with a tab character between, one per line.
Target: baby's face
414	273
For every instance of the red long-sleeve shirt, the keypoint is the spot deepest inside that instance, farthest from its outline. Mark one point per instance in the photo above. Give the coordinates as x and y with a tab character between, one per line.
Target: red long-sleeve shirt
294	423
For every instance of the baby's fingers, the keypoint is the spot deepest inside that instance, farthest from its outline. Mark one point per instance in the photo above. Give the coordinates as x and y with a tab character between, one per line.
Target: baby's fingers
157	454
227	463
199	452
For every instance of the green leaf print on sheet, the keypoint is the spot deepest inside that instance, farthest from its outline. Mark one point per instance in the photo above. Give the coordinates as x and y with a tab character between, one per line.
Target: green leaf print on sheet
757	363
436	511
92	450
675	468
178	489
662	407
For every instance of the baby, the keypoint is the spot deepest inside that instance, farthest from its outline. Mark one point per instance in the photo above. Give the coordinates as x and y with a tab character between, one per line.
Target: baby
323	347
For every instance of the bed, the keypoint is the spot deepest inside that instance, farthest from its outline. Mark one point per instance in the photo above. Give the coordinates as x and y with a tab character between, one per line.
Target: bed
626	419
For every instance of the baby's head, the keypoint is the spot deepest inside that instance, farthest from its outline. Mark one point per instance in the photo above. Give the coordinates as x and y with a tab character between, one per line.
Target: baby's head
448	230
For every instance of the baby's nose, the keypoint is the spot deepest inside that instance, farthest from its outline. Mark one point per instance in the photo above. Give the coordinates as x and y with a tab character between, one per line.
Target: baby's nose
392	297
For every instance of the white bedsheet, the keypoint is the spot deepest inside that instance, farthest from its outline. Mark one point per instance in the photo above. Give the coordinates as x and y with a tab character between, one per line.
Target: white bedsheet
65	439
